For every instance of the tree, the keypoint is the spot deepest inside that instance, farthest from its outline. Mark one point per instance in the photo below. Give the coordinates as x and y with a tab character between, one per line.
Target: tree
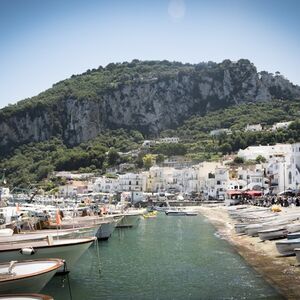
148	161
225	148
260	159
238	160
113	157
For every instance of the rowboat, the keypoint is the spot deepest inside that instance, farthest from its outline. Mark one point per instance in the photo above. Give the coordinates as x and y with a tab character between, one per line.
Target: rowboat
27	276
273	233
286	247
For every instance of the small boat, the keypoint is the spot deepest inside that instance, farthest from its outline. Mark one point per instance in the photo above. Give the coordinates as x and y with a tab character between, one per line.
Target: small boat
175	212
25	297
67	249
27	276
180	212
297	251
293	235
150	215
286	247
273	233
240	228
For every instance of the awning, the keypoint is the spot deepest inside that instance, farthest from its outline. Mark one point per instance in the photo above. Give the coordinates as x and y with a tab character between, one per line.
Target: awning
234	192
253	193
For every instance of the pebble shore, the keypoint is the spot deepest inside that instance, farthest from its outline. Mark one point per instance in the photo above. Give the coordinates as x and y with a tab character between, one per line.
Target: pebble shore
281	272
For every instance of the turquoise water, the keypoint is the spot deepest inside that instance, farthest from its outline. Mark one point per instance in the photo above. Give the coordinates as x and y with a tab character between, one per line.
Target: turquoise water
163	258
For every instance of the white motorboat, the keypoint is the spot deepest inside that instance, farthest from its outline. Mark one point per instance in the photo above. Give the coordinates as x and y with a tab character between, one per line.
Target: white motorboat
175	212
25	297
27	276
286	247
67	249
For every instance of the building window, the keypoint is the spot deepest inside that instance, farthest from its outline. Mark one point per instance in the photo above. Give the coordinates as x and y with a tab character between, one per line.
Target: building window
290	177
129	183
137	183
218	182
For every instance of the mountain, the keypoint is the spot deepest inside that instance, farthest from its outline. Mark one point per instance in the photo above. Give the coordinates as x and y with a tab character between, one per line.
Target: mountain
149	96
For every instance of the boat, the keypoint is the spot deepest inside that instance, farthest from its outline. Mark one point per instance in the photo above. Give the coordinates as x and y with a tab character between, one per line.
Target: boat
106	229
273	233
67	249
175	212
293	235
27	276
130	218
286	247
180	212
297	251
150	215
25	297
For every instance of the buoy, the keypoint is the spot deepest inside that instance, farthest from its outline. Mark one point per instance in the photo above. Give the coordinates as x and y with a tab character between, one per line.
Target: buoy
27	251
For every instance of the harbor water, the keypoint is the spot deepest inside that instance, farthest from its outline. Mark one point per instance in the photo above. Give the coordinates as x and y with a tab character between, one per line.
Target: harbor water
163	258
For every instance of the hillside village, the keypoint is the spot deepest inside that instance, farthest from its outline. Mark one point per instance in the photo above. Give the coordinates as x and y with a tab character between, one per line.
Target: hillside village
271	169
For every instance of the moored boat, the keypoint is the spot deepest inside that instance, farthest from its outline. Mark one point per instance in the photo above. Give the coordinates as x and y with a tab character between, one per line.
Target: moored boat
25	297
67	249
27	276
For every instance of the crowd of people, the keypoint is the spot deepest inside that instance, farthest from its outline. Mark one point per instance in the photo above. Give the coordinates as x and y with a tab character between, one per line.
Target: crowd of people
268	201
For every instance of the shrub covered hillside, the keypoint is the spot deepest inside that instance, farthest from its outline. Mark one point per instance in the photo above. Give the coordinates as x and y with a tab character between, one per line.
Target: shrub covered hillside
147	96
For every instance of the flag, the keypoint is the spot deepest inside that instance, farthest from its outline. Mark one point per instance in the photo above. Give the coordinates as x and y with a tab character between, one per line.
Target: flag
58	218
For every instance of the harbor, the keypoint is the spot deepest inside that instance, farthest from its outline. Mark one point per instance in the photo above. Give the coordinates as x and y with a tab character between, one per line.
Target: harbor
166	257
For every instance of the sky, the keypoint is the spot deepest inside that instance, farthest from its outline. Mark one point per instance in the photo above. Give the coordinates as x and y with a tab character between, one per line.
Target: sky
45	41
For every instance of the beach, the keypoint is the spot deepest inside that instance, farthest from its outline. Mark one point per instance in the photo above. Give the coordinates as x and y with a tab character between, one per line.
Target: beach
281	272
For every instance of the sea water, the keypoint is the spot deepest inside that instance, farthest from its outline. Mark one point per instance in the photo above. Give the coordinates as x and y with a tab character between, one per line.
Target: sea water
168	257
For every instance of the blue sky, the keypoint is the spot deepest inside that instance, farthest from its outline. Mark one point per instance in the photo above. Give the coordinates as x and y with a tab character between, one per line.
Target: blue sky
45	41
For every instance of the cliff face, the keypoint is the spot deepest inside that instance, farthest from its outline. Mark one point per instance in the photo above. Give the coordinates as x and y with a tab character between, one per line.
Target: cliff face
150	103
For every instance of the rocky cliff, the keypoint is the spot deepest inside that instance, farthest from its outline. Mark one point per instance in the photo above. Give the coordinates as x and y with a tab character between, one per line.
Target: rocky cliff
147	96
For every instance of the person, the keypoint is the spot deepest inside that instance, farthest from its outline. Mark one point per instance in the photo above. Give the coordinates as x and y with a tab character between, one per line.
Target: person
297	201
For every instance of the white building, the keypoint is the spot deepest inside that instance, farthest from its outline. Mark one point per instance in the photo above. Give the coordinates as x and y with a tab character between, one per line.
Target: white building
217	132
106	185
267	152
130	182
173	139
254	127
281	125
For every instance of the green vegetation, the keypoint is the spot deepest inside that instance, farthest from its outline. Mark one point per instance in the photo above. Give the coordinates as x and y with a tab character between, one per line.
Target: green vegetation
92	84
34	162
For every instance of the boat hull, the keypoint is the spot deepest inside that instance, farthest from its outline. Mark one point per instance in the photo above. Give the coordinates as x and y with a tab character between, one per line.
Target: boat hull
30	281
106	230
287	247
70	252
272	235
128	221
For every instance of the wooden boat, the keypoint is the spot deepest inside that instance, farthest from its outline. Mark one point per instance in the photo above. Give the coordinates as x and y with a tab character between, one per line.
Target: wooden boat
25	297
286	247
27	276
293	235
67	249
